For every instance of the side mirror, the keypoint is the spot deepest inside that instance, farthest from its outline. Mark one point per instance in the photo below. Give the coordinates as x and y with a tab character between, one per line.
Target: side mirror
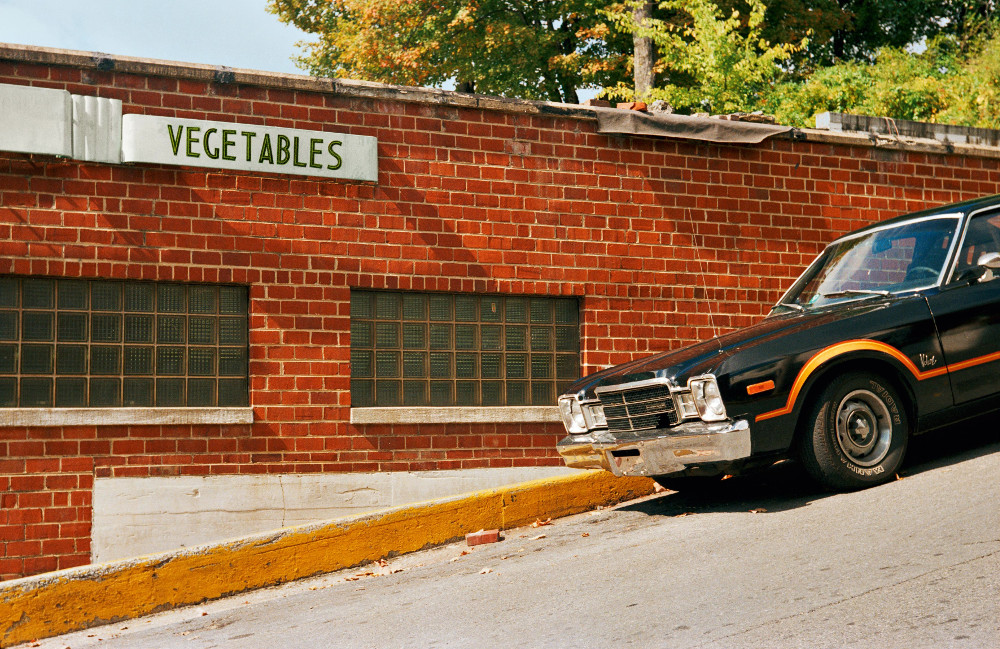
989	260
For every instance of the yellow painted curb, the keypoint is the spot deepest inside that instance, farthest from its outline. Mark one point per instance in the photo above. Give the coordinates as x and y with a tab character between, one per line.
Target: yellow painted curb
78	598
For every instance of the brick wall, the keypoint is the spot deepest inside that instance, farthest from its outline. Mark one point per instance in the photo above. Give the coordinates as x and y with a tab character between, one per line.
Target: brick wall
666	242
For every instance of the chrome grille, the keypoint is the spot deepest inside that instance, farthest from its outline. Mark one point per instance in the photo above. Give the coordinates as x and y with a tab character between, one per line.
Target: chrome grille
639	408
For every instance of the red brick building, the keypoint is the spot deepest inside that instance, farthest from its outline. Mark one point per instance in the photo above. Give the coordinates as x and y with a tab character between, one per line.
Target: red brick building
250	330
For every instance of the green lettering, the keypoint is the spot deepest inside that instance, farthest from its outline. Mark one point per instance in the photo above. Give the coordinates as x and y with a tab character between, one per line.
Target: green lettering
265	150
313	152
226	143
249	135
175	141
283	145
295	156
191	141
336	155
211	153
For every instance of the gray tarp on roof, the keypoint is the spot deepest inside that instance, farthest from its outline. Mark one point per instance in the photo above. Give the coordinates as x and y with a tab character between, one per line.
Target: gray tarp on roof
632	122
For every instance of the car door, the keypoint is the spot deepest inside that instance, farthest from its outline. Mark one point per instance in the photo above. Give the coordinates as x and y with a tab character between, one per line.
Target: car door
968	315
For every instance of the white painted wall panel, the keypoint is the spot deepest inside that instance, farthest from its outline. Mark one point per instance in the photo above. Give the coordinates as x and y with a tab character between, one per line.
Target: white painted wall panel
35	120
136	516
97	129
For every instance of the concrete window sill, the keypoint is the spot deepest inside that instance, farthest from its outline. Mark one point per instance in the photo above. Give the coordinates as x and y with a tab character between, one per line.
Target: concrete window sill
122	416
475	415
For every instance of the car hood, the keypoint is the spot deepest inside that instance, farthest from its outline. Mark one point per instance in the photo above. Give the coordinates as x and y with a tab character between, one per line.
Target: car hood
708	356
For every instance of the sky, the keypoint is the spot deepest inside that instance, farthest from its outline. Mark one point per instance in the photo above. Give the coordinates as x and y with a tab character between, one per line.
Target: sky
233	33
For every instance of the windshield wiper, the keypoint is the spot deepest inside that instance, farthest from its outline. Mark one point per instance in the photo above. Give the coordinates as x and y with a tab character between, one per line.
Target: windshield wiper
856	291
791	305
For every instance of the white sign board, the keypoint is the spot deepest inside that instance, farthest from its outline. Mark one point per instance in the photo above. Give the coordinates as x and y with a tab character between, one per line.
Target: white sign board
248	147
35	120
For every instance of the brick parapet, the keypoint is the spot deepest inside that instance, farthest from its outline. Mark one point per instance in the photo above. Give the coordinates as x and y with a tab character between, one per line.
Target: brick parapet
665	242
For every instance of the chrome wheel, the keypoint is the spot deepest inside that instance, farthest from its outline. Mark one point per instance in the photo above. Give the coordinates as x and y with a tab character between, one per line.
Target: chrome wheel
863	428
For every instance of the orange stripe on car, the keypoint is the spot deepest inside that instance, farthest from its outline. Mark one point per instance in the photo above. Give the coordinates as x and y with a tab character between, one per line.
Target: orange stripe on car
972	362
846	347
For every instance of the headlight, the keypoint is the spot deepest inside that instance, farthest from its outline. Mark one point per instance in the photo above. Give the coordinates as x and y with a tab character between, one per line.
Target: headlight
572	415
707	398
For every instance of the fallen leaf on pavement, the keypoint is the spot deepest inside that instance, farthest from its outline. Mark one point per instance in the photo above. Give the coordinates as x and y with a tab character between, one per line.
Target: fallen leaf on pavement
539	522
585	534
758	510
485	571
535	538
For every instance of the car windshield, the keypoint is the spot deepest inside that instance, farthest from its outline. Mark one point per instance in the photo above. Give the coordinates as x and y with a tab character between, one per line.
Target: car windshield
880	262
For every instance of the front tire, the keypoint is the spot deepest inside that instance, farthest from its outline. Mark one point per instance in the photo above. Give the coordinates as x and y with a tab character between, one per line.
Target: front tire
856	435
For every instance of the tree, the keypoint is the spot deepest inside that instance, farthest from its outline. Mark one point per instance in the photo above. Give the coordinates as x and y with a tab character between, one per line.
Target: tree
951	82
709	62
534	49
642	47
855	30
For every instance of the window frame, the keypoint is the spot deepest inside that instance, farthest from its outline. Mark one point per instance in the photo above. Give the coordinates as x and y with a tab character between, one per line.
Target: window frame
561	324
82	316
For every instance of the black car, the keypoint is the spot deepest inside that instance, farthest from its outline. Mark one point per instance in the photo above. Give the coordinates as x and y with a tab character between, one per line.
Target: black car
893	330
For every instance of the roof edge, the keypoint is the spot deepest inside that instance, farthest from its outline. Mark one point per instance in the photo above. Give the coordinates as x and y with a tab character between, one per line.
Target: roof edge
433	96
283	80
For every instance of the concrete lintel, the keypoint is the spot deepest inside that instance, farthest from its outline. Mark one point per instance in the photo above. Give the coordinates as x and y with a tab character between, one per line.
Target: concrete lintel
122	416
476	415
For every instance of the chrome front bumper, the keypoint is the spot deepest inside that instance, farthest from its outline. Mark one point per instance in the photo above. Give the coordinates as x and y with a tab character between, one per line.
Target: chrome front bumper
658	452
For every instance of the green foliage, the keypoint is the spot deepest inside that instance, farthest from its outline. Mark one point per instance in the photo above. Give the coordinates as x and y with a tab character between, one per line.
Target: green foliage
945	83
712	55
535	49
973	96
709	62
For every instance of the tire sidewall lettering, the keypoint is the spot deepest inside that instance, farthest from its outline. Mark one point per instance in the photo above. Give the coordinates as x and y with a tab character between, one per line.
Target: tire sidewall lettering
890	403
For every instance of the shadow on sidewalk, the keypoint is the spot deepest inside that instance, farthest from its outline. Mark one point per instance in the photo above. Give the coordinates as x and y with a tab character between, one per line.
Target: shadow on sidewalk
786	486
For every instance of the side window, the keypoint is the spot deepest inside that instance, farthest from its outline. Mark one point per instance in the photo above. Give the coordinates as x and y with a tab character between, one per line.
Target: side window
438	349
76	343
982	236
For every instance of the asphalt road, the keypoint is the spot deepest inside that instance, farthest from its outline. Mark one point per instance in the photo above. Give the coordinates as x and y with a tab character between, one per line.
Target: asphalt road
763	561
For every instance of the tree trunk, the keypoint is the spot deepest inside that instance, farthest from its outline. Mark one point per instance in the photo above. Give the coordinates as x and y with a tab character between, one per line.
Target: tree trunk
642	58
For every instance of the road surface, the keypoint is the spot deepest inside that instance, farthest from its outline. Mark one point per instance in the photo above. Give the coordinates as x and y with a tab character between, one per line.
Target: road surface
763	561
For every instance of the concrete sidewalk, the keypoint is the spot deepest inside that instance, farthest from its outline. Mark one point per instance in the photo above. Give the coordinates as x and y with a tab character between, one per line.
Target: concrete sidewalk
78	598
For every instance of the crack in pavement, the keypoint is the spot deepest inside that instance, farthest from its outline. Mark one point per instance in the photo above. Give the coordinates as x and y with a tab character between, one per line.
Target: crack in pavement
852	597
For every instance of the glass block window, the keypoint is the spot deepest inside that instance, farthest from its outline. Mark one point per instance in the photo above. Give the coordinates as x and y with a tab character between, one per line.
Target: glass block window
428	349
71	343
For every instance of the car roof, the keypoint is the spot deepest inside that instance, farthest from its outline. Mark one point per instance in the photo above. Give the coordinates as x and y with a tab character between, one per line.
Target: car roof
964	207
